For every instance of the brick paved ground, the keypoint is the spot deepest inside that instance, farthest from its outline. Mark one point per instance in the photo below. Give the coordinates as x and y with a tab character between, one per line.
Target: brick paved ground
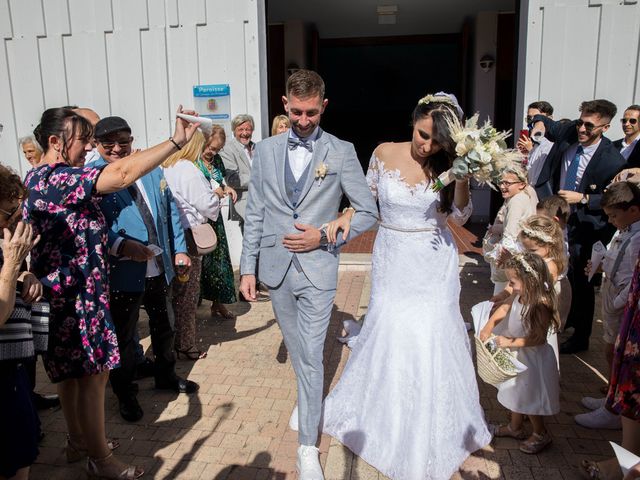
236	427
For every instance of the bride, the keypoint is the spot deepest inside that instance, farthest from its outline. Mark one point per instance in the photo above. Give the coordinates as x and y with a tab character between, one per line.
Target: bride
407	401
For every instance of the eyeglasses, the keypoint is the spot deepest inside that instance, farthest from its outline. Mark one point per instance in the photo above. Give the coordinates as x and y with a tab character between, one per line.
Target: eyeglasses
631	121
111	145
507	183
12	212
528	119
588	126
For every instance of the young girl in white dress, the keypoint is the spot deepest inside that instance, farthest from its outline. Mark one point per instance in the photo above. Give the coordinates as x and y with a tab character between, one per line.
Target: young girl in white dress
522	325
407	401
542	235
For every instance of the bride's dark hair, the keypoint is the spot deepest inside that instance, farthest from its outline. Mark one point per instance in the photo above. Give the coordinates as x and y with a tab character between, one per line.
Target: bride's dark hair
441	161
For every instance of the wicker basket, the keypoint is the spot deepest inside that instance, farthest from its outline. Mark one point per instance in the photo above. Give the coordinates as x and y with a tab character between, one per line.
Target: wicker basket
488	368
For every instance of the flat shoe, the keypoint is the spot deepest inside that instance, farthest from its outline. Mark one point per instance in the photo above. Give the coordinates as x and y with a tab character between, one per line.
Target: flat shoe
506	431
179	385
539	443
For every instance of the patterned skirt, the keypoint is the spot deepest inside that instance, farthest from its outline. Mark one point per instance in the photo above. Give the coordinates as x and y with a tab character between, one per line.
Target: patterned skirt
217	282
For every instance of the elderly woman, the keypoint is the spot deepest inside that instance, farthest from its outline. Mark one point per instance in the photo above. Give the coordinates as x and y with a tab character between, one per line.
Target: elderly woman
198	203
281	124
20	425
217	284
520	201
31	149
70	261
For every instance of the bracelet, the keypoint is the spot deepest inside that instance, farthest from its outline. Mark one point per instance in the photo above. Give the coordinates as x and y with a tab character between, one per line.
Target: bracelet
174	142
344	210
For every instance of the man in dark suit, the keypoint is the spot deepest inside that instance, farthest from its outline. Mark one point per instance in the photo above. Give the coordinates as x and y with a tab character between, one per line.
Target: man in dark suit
578	168
629	145
146	240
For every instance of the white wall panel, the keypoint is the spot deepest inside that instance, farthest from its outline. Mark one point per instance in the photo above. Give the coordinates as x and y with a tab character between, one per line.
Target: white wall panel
134	58
579	50
26	85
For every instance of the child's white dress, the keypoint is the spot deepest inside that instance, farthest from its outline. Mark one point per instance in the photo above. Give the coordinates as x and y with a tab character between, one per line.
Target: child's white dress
536	391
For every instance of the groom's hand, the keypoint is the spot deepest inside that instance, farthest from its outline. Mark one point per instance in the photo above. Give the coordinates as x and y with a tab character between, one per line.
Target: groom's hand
306	241
248	287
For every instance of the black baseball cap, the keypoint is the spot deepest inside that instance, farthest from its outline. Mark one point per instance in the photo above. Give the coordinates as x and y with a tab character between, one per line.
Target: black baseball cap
109	125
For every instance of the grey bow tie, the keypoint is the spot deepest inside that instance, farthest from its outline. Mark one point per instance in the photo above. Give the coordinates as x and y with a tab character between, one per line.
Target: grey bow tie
295	143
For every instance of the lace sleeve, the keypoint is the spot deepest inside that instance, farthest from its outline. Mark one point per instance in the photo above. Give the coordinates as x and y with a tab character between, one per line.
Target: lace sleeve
373	175
460	217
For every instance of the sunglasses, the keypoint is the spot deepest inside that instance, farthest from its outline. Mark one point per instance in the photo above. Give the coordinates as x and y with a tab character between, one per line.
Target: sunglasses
12	212
588	126
630	121
111	145
528	119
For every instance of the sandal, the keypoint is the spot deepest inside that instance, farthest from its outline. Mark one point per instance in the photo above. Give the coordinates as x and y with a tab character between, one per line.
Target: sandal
191	354
75	454
219	310
98	469
539	443
593	471
507	431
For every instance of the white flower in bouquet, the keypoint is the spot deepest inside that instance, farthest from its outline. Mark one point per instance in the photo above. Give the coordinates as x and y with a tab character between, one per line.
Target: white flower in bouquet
481	153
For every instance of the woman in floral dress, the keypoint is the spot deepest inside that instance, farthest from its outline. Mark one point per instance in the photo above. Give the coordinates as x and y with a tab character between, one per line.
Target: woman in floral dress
71	263
624	387
217	282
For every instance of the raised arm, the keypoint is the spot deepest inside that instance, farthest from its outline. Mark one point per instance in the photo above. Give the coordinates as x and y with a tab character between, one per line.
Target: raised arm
119	175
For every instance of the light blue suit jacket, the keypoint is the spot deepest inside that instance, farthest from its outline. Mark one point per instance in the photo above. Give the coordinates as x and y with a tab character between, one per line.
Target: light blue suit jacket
270	215
124	220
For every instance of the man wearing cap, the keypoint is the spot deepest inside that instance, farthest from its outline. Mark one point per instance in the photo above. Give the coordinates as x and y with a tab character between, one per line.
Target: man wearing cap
146	240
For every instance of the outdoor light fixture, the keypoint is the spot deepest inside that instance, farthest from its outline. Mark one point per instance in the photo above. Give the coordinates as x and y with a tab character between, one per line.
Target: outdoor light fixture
387	14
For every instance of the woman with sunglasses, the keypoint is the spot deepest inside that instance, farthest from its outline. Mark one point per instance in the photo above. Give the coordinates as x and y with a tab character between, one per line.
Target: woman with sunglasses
63	207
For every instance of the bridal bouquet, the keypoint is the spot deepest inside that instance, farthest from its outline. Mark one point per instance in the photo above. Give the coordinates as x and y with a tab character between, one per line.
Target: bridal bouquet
481	152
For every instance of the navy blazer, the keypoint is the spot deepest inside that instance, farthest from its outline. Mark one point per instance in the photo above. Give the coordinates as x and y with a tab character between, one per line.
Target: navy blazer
634	159
124	220
587	223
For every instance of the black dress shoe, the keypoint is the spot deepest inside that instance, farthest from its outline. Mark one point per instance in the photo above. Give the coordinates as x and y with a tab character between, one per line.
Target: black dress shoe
178	385
130	409
44	402
573	346
145	369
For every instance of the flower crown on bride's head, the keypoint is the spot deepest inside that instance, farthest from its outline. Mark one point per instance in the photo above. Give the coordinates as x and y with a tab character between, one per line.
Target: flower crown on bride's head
442	97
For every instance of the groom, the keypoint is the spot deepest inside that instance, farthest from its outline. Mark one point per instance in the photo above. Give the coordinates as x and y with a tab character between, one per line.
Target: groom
297	181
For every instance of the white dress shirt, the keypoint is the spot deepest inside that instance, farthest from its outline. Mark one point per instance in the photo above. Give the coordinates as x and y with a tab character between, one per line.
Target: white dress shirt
627	148
537	157
192	191
585	158
300	157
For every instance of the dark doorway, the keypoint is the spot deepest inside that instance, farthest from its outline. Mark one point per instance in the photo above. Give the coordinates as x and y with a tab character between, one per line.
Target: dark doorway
374	83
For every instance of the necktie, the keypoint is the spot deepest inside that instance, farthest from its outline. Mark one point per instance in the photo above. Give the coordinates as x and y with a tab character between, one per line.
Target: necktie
297	142
572	172
147	218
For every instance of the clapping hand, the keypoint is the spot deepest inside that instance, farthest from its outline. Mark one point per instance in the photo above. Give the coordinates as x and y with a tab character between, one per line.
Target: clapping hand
31	287
17	245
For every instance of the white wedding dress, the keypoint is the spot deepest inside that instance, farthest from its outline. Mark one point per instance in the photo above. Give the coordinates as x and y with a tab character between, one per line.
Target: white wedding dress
407	401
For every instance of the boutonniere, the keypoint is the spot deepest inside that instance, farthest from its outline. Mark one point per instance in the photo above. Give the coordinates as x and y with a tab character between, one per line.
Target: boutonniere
163	185
593	187
321	172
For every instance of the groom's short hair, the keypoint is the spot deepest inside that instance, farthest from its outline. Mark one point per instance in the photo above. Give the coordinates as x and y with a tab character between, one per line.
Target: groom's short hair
304	84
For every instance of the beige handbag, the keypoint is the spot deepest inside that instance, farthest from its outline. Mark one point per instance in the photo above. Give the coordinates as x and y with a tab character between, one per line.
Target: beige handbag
201	239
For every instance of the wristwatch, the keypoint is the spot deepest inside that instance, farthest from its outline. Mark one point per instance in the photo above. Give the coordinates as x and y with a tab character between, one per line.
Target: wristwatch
585	199
323	237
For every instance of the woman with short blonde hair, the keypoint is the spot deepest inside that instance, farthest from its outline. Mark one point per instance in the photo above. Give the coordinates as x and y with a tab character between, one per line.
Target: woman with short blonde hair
198	203
281	124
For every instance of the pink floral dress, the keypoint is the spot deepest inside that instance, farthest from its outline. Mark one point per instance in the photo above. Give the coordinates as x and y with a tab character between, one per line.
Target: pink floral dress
71	263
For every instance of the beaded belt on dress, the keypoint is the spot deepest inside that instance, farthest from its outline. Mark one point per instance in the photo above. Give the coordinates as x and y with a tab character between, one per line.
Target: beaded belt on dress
409	230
